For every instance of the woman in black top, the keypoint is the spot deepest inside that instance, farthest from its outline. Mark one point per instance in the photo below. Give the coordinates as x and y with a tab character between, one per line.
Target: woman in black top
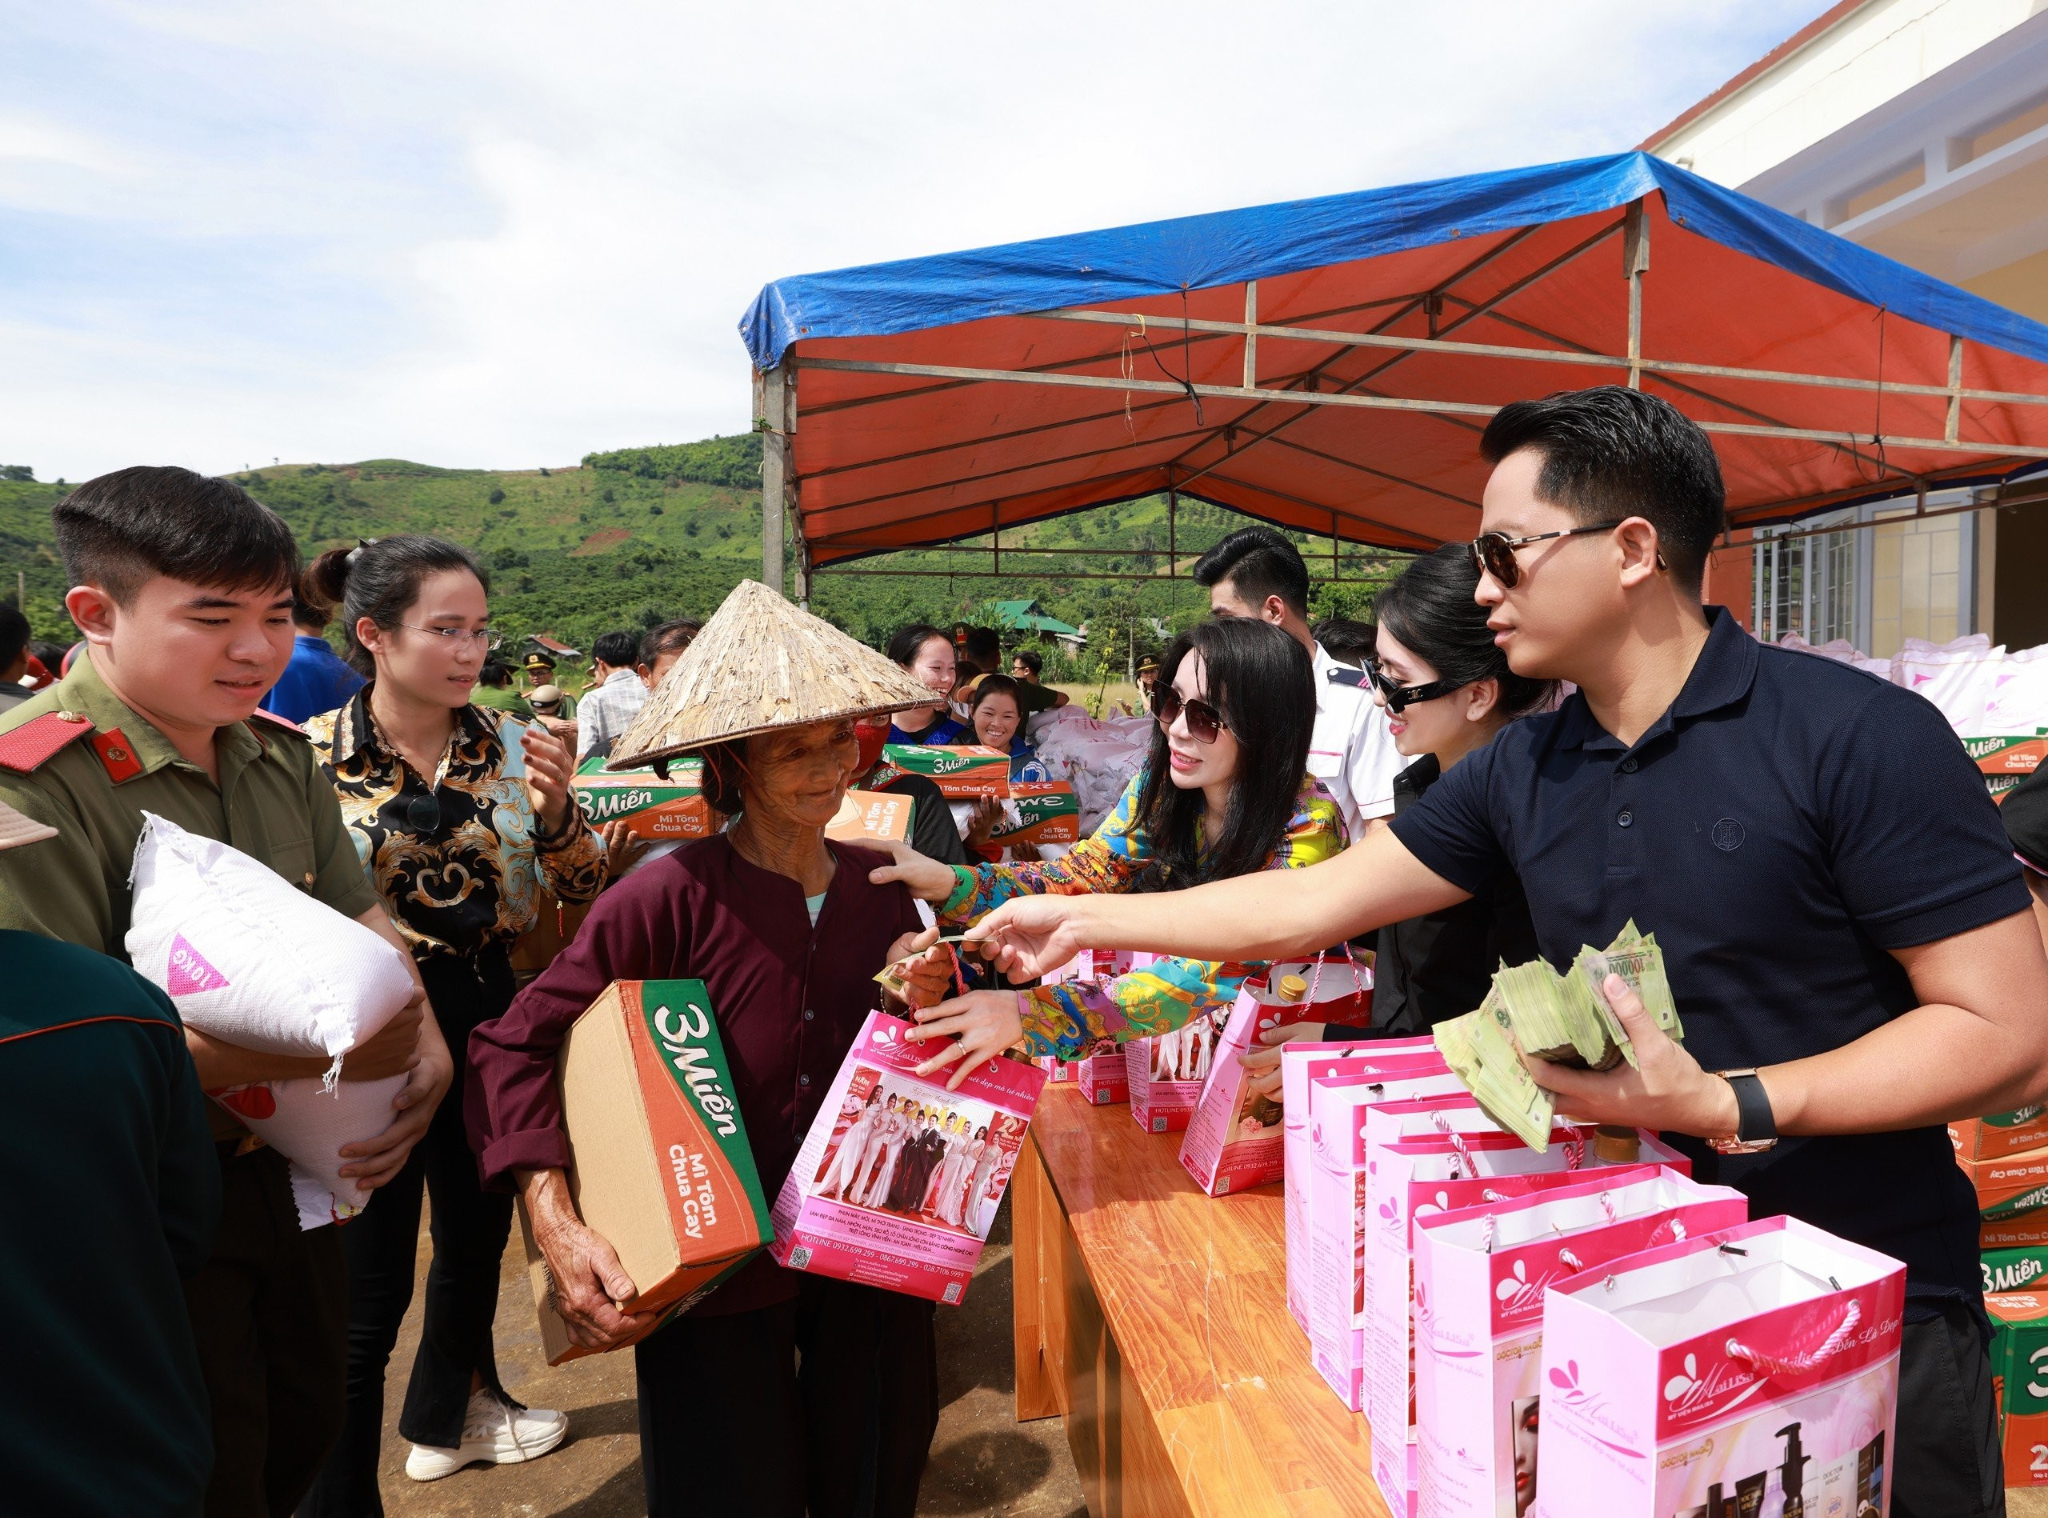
1447	691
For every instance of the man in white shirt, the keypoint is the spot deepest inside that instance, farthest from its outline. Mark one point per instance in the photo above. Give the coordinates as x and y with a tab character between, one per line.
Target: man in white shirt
616	693
1255	572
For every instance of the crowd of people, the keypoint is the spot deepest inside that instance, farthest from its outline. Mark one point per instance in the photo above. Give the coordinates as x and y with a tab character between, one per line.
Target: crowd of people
1544	732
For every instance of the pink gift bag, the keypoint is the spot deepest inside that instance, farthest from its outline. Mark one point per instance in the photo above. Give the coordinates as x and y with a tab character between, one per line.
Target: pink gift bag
1165	1073
1300	1063
1058	1072
1480	1275
1100	1076
1336	1207
910	1209
1750	1370
1101	1079
1234	1140
1427	1156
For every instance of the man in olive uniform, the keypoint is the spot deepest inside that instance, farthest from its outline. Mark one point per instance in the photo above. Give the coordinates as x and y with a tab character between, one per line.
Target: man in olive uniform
182	586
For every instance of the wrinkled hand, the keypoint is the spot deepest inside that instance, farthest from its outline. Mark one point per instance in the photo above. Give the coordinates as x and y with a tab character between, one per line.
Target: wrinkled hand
374	1161
1665	1089
982	1024
622	847
925	964
1263	1062
1029	936
928	879
549	764
589	1282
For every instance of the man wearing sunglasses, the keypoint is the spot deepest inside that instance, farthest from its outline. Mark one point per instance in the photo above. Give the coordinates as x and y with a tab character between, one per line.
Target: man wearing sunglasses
1846	932
1257	573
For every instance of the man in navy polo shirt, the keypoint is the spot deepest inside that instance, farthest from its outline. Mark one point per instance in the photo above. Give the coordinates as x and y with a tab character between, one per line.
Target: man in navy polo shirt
1845	929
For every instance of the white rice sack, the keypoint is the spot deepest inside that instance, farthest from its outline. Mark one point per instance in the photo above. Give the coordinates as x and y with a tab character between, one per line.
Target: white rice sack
248	958
1958	680
2019	701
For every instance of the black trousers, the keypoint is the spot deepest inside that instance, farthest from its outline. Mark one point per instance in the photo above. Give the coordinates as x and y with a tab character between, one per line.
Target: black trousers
469	1226
1948	1463
269	1310
825	1405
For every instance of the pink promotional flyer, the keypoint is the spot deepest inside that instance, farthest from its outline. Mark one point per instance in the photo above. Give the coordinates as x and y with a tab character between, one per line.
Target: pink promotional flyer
899	1179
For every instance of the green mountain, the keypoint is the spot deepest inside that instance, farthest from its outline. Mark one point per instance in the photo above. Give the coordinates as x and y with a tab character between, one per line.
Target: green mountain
630	538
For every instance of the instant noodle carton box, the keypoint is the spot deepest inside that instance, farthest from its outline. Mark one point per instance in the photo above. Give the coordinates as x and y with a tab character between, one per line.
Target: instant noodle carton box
872	817
1038	812
662	810
898	1181
2019	1366
659	1163
962	773
2018	754
2010	1189
1301	1063
2014	1269
2000	1134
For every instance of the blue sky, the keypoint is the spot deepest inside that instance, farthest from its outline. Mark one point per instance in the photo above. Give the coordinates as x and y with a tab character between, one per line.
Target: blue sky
504	235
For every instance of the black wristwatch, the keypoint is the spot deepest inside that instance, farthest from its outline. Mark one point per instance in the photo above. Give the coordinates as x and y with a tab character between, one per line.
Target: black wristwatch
1755	1129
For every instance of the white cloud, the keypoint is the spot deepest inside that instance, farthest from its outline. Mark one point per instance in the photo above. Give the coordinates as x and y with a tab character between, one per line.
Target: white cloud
507	234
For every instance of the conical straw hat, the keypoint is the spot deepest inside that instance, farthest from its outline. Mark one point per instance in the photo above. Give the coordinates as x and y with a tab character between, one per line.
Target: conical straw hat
761	663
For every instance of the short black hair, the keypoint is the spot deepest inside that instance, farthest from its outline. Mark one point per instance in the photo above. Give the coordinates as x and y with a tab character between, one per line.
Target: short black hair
13	633
1031	659
1611	453
120	530
983	646
496	673
668	638
1346	641
1258	563
616	649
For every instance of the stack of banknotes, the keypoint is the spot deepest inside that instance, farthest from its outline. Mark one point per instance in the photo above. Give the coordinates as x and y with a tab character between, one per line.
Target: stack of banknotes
1564	1019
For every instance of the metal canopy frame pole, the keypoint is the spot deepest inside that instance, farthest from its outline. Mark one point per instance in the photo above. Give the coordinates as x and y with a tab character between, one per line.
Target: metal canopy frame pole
775	420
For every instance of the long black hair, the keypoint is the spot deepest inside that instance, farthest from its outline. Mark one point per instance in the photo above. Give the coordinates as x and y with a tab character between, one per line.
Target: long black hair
1263	683
380	579
1430	611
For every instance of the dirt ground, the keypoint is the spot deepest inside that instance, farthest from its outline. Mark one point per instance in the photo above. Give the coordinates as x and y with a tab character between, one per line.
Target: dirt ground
983	1461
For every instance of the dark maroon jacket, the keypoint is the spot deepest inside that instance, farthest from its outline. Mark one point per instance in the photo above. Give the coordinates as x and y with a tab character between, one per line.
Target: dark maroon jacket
788	998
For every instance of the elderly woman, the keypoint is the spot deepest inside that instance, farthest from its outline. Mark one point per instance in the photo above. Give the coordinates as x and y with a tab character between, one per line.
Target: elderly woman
781	1392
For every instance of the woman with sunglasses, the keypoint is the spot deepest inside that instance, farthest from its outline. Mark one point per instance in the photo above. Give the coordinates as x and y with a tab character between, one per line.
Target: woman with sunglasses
463	817
1225	791
1448	691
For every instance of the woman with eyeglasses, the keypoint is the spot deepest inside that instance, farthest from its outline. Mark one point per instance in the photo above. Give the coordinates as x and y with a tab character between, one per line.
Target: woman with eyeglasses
463	817
1225	791
1448	691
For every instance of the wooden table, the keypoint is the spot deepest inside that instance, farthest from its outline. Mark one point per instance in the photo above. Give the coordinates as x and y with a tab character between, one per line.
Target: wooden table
1154	1320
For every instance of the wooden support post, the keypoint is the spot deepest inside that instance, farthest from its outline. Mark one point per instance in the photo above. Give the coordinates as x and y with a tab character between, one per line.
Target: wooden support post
995	537
1336	561
1251	334
1635	261
1955	390
775	420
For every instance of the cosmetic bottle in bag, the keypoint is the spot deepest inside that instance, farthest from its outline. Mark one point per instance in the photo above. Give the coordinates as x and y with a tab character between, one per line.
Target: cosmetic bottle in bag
1752	1370
1302	1062
1234	1138
1480	1275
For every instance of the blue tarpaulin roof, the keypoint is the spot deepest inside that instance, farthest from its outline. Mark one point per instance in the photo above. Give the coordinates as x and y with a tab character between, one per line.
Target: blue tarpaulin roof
1527	259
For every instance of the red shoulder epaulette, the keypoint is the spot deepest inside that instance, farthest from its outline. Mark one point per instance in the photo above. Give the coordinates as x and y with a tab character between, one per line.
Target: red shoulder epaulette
284	722
28	748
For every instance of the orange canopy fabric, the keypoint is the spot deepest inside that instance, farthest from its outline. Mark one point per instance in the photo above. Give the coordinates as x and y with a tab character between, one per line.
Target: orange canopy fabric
938	399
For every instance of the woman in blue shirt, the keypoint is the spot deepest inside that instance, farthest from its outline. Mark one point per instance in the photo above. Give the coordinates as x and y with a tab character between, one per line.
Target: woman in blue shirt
998	723
927	654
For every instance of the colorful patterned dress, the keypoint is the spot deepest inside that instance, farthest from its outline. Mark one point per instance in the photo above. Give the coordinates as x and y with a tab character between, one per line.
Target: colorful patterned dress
1070	1020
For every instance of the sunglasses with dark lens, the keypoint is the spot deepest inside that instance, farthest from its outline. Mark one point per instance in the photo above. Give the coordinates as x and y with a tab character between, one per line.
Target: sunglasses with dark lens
1204	721
1493	553
1399	696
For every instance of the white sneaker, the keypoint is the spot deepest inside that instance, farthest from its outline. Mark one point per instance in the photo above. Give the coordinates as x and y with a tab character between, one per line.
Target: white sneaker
493	1433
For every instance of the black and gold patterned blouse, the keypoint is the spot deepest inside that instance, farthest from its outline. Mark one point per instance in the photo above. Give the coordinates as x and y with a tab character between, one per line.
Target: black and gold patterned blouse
459	862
